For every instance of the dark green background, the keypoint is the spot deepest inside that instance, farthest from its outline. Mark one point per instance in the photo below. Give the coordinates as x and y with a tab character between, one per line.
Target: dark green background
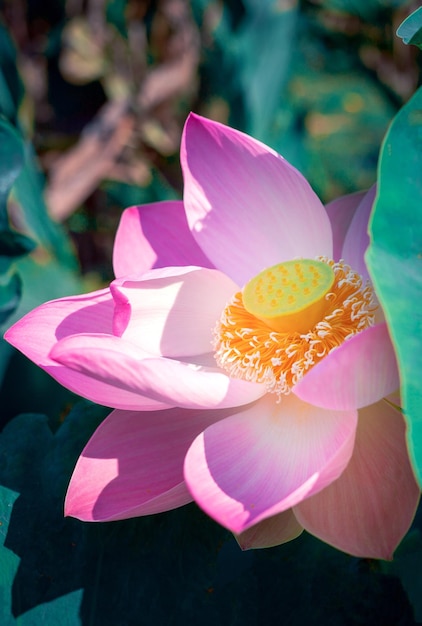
320	83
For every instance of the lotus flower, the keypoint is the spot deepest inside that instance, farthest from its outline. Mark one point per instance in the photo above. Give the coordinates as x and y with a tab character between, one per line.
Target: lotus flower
245	356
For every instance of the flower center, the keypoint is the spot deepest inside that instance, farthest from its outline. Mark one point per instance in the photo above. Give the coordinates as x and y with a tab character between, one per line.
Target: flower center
290	296
288	317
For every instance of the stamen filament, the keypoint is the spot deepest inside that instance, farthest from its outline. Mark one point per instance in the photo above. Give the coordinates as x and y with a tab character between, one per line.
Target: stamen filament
248	348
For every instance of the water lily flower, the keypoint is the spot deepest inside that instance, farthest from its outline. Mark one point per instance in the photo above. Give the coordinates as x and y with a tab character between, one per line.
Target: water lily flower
245	356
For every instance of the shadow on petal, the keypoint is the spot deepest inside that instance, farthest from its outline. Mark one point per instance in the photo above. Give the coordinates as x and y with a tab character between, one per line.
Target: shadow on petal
133	464
271	532
369	509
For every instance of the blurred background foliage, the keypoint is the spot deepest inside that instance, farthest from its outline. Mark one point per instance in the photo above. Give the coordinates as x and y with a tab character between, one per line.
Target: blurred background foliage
102	88
94	95
93	98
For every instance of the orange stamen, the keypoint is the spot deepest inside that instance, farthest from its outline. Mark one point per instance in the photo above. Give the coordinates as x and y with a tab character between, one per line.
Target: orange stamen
251	348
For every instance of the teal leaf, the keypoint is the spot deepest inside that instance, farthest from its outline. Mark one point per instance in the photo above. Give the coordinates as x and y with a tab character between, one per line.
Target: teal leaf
10	295
410	30
14	244
11	88
18	169
115	13
8	559
64	611
28	191
11	162
43	278
267	28
394	258
36	464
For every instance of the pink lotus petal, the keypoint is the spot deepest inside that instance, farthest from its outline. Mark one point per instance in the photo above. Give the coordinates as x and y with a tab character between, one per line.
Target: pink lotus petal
266	459
171	315
37	333
341	211
155	235
271	532
368	510
358	373
133	464
247	207
124	366
357	238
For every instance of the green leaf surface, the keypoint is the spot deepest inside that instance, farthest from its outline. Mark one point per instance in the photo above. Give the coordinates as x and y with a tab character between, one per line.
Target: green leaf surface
11	89
18	168
10	294
35	464
43	279
175	568
11	162
407	565
9	561
263	76
394	258
115	13
63	611
14	244
368	10
411	29
28	191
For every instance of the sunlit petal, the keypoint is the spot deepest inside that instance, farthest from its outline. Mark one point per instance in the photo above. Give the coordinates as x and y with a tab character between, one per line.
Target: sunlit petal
171	314
247	207
123	366
132	465
267	458
155	235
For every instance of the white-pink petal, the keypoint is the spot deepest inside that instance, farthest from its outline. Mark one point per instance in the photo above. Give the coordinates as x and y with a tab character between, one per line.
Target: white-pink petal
155	235
37	333
247	207
266	459
358	373
171	315
125	367
368	510
133	464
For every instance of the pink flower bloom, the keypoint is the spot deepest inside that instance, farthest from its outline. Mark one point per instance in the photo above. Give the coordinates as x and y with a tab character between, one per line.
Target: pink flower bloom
245	361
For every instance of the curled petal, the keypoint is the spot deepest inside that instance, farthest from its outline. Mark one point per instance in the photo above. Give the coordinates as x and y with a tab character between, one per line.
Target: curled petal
341	212
123	366
247	207
368	510
133	464
266	459
358	373
37	333
271	532
155	235
171	315
357	238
